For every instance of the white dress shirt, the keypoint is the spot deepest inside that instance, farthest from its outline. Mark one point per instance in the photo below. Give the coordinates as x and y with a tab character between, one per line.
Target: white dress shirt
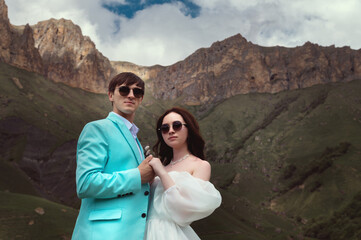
133	130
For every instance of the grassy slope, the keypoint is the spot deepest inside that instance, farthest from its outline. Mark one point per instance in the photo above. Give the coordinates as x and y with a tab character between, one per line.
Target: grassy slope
251	141
343	224
259	135
54	107
19	220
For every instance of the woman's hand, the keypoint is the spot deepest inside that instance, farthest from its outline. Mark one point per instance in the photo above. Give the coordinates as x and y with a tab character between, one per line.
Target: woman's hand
161	172
157	166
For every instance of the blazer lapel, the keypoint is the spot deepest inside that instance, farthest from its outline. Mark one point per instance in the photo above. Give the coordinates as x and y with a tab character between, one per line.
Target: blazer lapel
127	136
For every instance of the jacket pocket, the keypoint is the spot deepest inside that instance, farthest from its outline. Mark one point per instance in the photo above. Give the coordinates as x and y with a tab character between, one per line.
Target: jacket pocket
105	214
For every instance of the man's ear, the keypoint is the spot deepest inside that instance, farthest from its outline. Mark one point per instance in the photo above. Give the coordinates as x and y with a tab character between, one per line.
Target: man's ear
111	96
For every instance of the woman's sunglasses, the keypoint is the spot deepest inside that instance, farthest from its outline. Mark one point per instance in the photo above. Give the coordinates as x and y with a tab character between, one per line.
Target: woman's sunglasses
177	125
125	90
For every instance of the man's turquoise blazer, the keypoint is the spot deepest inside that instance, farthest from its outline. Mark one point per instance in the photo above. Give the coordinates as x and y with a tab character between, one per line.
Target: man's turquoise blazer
114	203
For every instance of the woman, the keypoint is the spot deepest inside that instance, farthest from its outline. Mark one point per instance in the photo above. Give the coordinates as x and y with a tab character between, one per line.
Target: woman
181	193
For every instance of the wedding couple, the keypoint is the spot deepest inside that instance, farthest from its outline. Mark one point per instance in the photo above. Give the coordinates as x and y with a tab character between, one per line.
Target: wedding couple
125	196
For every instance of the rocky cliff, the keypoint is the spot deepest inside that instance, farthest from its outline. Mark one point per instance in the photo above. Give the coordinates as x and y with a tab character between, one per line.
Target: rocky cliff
236	66
17	44
145	73
227	68
56	49
70	57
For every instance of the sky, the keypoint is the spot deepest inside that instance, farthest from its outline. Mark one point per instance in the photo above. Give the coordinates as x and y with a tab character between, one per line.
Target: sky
149	32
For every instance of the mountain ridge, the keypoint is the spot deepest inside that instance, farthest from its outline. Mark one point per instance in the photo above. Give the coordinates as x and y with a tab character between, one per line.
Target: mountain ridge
209	75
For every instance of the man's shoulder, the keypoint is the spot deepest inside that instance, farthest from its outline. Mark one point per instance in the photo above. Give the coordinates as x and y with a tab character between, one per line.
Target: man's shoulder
98	127
100	123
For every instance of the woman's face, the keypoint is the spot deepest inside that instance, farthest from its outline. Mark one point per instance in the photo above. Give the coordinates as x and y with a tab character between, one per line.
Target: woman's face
175	138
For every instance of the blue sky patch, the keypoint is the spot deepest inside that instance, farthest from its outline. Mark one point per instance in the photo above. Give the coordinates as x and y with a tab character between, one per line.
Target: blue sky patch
132	6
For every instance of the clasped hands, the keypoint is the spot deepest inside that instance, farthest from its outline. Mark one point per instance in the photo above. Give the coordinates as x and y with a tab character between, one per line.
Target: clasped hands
150	168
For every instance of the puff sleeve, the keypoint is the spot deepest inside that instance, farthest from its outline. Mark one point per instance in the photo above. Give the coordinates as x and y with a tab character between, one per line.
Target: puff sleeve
190	199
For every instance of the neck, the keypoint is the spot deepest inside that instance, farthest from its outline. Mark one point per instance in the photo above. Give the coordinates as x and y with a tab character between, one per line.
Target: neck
180	152
129	117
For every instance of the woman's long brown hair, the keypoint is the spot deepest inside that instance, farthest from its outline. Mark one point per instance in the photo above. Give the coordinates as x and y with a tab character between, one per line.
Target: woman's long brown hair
195	141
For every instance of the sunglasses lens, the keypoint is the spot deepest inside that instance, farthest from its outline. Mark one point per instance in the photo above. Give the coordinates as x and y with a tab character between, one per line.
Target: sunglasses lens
164	128
124	91
138	92
177	125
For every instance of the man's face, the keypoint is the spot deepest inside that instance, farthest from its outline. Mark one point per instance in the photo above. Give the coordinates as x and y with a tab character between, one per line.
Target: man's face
125	105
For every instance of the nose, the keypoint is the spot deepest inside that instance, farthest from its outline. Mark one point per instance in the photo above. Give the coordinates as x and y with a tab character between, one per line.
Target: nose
131	94
171	130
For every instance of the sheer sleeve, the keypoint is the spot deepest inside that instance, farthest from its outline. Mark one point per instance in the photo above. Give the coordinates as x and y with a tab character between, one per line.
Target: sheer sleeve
188	200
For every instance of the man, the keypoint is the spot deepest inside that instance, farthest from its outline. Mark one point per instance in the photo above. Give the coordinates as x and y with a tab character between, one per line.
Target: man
111	176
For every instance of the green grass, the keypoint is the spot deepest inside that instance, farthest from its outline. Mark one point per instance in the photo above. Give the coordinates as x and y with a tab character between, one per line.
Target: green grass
19	220
344	224
54	107
14	180
260	135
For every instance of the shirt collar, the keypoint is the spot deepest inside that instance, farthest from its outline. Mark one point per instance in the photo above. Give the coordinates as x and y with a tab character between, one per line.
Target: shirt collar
131	126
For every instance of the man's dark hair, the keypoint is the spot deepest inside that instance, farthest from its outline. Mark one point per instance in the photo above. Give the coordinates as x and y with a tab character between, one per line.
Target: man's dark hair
125	77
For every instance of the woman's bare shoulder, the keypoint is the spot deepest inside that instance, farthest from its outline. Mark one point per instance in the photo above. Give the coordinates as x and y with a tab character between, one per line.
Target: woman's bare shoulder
202	169
203	163
200	163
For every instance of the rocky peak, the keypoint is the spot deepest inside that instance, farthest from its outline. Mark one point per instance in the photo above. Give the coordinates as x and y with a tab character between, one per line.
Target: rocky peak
70	57
236	40
3	11
56	49
17	44
5	31
62	34
235	66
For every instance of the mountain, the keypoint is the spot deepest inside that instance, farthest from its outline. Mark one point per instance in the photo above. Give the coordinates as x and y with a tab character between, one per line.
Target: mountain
236	66
227	68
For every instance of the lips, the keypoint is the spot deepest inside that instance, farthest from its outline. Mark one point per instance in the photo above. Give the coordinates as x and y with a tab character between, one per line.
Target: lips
172	138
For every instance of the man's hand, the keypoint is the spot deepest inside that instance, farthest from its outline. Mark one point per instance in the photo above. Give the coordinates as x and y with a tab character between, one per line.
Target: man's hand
146	171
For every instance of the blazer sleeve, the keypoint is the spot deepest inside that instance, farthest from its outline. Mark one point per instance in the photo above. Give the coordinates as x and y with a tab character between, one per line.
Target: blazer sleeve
92	155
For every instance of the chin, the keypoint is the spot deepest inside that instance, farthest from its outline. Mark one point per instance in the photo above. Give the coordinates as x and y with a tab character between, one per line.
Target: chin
174	144
127	111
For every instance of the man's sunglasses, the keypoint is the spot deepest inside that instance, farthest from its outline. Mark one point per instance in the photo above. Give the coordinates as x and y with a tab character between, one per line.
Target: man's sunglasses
177	125
125	90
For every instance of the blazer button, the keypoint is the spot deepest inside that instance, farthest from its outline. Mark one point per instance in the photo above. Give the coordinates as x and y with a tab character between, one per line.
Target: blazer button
146	193
144	215
118	196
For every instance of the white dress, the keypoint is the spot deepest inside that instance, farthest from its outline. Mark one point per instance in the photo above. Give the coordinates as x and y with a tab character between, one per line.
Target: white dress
171	212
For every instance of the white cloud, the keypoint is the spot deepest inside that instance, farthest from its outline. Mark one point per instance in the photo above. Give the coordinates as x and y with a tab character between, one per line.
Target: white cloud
161	34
